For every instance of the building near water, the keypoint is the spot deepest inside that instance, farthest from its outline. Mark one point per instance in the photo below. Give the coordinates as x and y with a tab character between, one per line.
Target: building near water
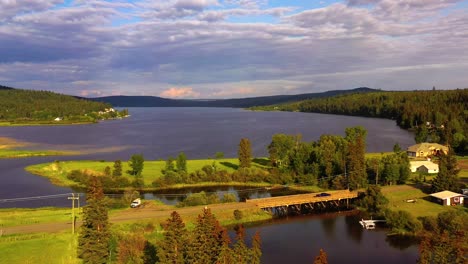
426	150
448	198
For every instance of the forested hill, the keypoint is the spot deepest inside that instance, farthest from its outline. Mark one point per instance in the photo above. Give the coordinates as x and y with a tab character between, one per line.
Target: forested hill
42	107
153	101
437	115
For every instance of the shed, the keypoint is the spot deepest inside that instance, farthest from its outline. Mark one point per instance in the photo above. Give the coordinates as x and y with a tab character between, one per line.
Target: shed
449	198
424	166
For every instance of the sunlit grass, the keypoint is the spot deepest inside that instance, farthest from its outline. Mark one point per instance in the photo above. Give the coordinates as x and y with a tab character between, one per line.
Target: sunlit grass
398	194
39	248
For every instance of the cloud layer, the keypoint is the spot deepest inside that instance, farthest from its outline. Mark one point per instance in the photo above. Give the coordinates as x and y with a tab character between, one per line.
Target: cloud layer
231	48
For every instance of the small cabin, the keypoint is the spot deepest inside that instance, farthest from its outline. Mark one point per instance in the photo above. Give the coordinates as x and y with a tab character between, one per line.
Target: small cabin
448	198
424	167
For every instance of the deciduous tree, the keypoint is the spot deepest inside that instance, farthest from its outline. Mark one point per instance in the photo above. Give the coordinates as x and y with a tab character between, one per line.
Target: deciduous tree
117	168
245	153
136	164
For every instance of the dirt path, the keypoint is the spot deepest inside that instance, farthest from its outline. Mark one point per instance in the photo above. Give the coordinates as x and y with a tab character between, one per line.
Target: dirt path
127	215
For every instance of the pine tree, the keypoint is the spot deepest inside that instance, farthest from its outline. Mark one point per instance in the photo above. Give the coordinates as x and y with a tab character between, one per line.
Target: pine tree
107	171
117	168
447	178
245	153
93	241
241	251
208	239
356	161
173	246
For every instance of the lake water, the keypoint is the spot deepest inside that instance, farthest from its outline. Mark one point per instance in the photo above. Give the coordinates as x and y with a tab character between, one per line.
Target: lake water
298	240
158	133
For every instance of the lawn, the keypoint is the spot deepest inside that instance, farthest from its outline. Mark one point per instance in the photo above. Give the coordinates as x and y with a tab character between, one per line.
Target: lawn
15	217
398	194
57	171
39	248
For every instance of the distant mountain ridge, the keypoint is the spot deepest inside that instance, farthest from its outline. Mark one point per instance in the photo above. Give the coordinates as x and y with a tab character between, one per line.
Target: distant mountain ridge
154	101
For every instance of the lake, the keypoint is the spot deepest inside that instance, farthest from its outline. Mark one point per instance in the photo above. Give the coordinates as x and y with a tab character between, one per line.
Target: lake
158	133
298	240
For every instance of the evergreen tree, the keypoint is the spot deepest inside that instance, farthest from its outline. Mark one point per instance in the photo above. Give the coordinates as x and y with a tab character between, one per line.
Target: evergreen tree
447	178
181	162
374	201
321	258
136	164
173	246
245	153
241	252
93	241
117	168
107	171
169	167
356	162
208	240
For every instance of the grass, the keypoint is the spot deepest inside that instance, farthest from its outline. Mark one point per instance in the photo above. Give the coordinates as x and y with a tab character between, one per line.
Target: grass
57	171
17	153
15	217
398	194
39	248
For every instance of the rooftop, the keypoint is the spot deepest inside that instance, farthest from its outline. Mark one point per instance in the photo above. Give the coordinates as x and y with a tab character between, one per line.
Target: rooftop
446	195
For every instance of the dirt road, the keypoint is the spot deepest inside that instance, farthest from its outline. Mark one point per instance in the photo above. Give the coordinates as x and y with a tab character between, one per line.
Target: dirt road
146	212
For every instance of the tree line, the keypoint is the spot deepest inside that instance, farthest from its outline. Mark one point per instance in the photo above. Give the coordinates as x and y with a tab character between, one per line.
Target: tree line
436	116
331	162
27	106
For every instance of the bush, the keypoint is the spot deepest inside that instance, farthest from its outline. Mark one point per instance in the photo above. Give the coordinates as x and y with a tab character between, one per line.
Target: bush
402	222
238	215
229	198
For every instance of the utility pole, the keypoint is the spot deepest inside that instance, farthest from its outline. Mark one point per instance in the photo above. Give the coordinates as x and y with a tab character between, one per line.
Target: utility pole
73	198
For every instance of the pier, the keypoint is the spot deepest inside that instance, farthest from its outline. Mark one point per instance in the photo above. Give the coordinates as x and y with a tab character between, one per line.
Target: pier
305	203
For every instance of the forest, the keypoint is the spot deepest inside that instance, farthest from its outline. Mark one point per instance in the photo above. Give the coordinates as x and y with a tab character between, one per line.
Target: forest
27	106
438	116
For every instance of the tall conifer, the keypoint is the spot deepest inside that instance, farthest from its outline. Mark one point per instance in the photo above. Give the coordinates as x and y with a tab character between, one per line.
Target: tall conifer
93	242
173	246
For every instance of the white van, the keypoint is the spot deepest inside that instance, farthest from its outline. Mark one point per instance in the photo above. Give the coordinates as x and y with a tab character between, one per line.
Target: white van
135	203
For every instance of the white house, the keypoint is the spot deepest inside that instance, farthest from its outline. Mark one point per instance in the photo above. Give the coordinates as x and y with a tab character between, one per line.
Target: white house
58	119
424	166
449	198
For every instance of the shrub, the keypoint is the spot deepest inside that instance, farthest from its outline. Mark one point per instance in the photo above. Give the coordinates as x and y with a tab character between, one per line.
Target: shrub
238	215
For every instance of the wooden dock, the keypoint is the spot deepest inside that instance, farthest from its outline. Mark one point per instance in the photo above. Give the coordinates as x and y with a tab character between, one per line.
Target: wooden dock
283	205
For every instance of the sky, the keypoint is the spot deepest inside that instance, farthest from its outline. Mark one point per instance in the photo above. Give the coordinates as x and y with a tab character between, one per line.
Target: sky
232	48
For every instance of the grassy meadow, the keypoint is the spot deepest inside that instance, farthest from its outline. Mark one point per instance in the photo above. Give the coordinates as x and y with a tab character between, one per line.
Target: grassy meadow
398	194
57	171
53	248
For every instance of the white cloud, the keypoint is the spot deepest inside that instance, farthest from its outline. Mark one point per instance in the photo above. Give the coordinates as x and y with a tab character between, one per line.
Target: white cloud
179	92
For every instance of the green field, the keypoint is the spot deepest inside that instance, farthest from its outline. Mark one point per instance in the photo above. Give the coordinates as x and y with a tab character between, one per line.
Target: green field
398	194
57	171
15	217
16	153
39	248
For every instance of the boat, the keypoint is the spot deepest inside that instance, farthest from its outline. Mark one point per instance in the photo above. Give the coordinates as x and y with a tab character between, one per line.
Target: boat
370	224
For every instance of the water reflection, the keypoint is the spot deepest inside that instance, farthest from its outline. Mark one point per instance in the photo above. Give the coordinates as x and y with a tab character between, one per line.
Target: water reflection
299	239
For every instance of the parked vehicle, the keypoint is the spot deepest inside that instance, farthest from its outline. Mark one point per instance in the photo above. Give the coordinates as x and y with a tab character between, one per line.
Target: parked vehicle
322	195
135	203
